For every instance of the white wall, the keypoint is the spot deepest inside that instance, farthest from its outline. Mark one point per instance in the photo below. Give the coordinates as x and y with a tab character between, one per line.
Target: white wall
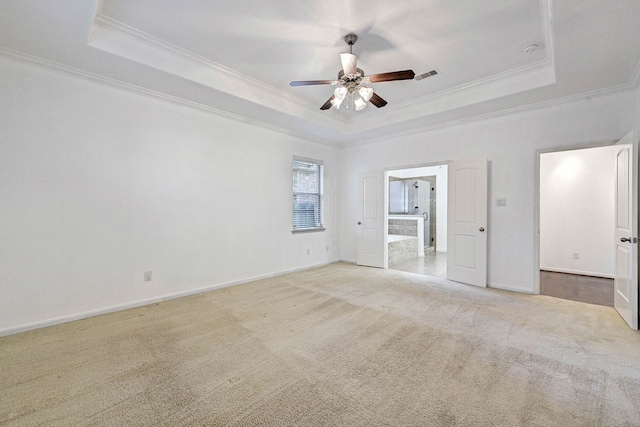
98	185
577	211
509	142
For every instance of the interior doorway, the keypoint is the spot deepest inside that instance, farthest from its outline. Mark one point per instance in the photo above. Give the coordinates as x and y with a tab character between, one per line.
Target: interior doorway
577	200
417	219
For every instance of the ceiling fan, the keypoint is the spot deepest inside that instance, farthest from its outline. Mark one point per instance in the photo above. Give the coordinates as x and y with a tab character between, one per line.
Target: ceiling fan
352	82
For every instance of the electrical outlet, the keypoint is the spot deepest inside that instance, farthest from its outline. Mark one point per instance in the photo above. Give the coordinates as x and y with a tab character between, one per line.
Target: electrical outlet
327	248
308	251
501	202
147	276
576	255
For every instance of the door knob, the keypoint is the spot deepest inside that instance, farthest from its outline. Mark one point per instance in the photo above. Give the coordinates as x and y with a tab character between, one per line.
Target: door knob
359	223
481	229
625	239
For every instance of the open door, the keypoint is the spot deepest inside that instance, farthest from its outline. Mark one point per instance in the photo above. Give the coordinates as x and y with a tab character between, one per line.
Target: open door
626	231
467	222
371	230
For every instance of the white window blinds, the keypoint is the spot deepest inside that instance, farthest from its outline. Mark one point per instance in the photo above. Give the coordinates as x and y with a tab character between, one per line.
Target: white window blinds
308	191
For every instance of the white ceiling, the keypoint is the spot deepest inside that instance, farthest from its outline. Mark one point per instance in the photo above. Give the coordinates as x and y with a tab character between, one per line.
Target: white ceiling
237	57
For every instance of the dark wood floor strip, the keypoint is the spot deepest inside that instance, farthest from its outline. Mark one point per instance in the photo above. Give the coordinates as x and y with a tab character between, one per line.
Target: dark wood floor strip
575	287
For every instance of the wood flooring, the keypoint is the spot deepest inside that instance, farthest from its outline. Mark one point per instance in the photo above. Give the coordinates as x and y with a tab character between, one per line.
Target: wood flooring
589	289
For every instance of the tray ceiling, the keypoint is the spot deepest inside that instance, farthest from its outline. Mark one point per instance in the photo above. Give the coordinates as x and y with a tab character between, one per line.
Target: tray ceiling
238	57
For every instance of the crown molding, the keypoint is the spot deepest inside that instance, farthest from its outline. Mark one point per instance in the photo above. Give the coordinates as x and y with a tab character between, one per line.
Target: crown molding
548	61
107	81
111	24
534	66
122	40
514	81
97	10
85	75
499	113
105	30
635	76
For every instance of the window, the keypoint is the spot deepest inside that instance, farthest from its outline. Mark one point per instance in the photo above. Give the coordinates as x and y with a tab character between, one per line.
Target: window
308	192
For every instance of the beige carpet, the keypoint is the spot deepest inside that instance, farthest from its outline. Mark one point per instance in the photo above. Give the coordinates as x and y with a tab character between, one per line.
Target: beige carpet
334	346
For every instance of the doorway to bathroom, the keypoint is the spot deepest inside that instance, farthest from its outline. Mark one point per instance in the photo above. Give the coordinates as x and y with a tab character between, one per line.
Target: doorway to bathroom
417	220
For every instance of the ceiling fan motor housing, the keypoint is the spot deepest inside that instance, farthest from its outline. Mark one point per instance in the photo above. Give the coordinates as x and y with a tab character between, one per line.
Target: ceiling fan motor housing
351	81
359	74
350	39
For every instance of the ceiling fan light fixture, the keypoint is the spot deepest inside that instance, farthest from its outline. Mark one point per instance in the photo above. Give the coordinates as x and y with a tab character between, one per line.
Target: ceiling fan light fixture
352	81
366	93
335	102
340	93
338	96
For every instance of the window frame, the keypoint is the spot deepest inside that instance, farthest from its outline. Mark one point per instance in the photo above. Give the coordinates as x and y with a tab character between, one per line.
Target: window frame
318	209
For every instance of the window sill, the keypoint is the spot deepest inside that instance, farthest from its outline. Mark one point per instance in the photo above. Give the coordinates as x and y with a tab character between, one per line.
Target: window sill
307	230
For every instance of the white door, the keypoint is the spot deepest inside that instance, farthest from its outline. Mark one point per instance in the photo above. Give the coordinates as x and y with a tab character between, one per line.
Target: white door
467	222
371	230
626	231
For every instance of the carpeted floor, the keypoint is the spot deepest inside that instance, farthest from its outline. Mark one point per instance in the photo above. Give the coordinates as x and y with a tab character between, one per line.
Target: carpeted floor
339	345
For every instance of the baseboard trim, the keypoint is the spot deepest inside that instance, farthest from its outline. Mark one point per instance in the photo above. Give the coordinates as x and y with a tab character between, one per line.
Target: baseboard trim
510	288
578	272
139	303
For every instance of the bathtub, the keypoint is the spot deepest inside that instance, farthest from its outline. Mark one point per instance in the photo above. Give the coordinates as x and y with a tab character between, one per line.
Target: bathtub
397	238
401	248
418	220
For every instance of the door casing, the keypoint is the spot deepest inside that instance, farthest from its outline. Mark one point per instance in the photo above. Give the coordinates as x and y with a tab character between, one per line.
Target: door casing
536	221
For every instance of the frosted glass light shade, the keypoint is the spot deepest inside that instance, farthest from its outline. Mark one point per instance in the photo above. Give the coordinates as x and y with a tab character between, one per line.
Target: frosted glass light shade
359	103
366	93
336	102
340	93
338	96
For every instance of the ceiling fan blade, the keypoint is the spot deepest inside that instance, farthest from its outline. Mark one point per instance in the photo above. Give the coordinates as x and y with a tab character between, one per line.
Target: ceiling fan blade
377	101
393	75
349	61
327	104
427	74
311	82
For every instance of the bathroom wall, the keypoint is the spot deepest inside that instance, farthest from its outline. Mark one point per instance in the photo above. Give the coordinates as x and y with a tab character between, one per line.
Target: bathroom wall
398	196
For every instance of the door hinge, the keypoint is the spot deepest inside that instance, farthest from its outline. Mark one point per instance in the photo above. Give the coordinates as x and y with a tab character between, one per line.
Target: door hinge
635	240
